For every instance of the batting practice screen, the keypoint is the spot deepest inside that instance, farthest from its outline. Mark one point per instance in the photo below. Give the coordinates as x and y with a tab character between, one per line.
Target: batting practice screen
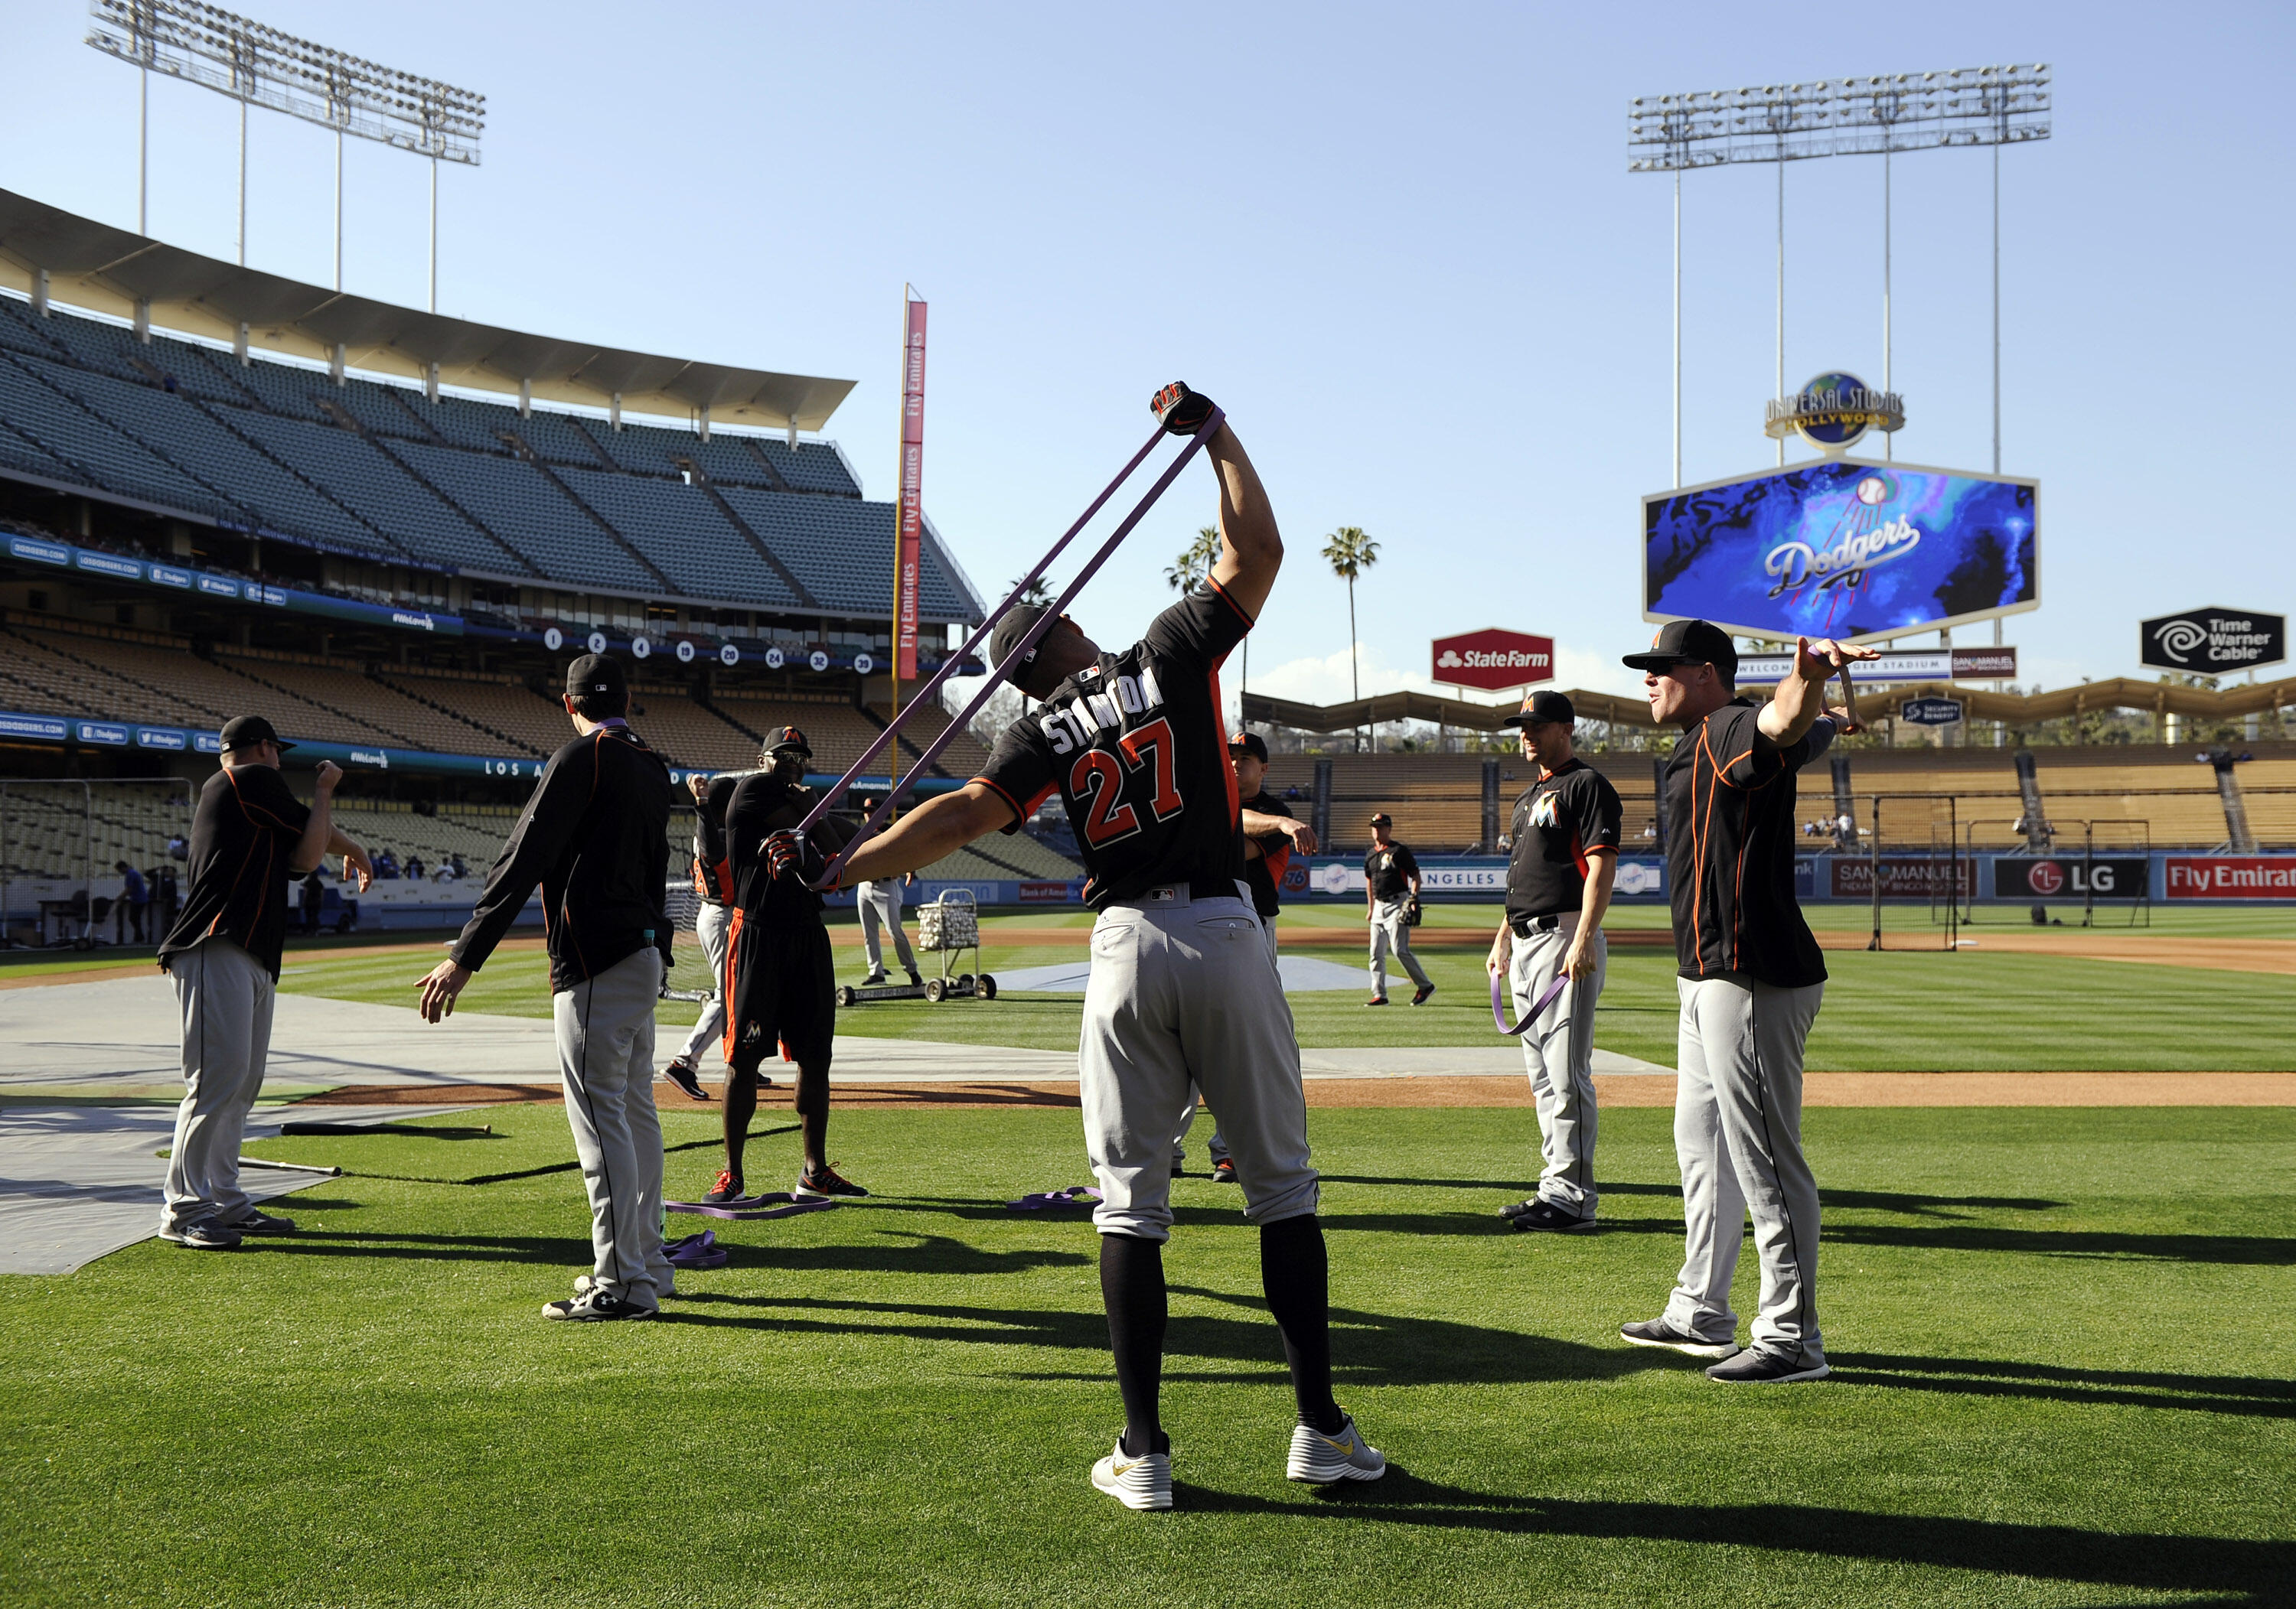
1841	549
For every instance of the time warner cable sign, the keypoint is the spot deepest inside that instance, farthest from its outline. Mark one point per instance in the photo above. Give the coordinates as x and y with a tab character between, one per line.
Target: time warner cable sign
1842	549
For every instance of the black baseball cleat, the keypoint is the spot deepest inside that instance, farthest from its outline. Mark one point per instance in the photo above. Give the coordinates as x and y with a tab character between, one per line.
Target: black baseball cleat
688	1079
594	1306
1757	1367
917	980
728	1187
819	1184
1380	1000
1658	1331
205	1235
1546	1215
1224	1170
1419	996
261	1223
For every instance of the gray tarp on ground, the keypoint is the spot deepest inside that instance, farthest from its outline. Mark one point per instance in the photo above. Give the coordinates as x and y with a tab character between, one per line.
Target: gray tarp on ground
79	1182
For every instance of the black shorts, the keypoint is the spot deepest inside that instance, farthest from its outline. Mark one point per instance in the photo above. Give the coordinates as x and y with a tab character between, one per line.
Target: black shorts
781	990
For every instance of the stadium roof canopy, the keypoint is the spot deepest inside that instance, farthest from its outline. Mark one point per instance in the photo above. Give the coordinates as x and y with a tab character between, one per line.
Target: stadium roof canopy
47	252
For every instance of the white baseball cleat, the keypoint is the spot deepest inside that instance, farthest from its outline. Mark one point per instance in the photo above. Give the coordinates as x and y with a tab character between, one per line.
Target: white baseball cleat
1659	1332
1344	1455
1145	1482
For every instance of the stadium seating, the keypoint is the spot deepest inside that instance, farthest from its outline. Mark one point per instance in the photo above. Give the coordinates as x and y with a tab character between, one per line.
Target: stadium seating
266	444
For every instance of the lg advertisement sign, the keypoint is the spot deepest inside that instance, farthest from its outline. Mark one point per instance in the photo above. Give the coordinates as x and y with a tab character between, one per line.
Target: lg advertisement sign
1493	661
2106	878
1841	549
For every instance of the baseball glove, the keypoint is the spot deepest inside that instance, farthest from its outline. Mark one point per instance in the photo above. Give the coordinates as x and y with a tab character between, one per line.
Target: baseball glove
1411	912
1182	410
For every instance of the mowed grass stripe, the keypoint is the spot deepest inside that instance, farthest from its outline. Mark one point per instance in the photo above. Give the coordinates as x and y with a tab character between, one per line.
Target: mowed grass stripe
896	1401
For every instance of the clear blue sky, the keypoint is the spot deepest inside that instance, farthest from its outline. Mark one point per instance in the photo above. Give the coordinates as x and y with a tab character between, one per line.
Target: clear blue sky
1400	244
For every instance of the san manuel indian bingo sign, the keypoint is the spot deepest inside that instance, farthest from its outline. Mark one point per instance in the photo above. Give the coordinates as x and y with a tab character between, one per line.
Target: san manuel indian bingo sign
1841	547
1494	660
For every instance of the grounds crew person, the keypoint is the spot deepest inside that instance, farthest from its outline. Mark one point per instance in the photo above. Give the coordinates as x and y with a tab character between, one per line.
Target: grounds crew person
1750	981
595	835
1390	887
780	983
1181	991
713	884
1270	833
1565	833
250	835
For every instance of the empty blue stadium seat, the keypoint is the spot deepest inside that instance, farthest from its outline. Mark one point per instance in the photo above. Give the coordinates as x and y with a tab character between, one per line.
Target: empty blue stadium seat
680	531
516	501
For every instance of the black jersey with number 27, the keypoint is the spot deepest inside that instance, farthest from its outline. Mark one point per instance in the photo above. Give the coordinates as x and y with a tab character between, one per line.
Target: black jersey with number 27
1135	746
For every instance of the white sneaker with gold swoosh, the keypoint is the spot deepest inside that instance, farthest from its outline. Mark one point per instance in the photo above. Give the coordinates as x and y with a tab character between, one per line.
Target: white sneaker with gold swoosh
1343	1455
1145	1482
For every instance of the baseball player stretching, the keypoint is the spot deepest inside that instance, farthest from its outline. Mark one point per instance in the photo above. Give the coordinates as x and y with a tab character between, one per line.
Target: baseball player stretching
595	834
1182	989
1750	983
780	983
713	881
1565	856
249	835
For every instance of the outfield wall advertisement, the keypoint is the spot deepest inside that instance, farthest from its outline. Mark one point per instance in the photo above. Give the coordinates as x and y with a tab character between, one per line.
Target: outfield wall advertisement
1842	549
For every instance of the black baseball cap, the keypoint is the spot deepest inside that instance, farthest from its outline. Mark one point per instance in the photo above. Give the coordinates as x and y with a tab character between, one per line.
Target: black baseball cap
1544	706
1018	621
245	732
596	673
1687	642
1382	819
788	737
1251	743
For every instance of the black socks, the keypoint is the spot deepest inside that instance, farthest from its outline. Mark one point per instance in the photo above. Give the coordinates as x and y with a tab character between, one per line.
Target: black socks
1132	1287
1295	1273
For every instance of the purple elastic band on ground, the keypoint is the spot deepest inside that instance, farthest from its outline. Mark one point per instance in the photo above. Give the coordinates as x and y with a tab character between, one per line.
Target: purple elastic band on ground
1075	1196
774	1204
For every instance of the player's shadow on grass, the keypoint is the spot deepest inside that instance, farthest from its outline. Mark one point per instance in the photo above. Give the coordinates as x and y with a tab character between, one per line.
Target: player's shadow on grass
1370	1349
2246	1570
2252	1395
558	1251
922	1254
2254	1251
1880	1201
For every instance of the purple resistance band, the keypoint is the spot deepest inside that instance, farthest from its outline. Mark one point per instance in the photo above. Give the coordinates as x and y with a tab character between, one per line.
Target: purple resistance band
999	674
1498	1016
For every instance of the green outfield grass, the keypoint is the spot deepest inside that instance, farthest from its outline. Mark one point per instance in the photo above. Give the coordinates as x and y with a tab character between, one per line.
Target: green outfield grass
1892	1011
2065	1378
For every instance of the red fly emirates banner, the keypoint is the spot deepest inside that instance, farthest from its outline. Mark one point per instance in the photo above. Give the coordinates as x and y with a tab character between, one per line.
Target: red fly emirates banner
909	547
2232	876
1493	661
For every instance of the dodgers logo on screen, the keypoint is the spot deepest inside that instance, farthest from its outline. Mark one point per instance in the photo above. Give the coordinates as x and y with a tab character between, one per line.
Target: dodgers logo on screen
1865	534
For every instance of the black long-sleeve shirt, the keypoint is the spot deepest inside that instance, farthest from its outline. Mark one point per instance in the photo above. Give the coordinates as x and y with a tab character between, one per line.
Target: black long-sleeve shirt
595	835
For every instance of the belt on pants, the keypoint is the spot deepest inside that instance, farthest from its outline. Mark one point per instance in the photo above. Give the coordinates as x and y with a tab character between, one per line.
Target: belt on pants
1525	925
1182	894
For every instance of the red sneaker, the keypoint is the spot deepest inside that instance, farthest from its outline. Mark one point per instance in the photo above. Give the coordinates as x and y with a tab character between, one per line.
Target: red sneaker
819	1184
728	1189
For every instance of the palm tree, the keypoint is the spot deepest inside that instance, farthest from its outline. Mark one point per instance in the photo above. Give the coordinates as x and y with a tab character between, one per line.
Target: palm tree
1036	594
1195	560
1350	553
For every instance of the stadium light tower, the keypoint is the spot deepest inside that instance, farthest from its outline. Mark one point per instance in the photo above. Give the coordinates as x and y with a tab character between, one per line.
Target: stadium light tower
1970	106
260	66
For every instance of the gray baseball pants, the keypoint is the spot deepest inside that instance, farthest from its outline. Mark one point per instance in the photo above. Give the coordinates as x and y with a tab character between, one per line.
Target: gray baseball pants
1737	1133
1390	934
1182	998
605	1056
1216	1148
711	926
881	907
1558	1052
225	996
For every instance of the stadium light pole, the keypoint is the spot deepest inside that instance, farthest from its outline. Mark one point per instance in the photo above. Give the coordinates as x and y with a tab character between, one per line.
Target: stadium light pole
255	64
1995	106
1678	327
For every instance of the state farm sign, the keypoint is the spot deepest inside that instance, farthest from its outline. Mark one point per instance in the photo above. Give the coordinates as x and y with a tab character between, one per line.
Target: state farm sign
1494	660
